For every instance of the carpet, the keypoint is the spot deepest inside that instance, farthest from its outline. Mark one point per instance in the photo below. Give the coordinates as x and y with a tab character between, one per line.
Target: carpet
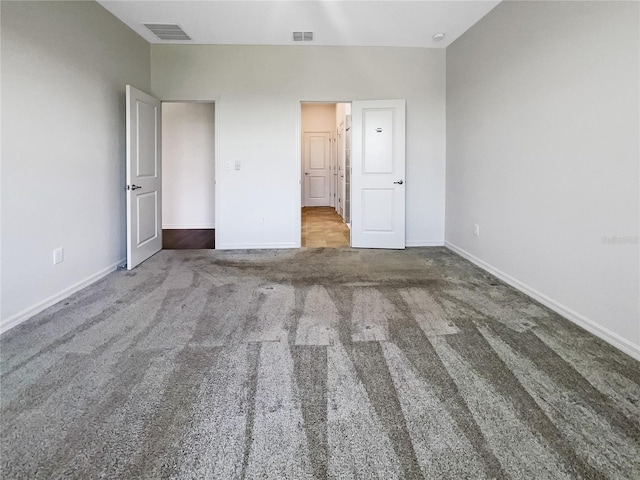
312	363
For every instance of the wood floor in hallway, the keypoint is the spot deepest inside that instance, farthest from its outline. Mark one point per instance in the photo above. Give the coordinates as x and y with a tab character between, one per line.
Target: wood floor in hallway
188	239
323	227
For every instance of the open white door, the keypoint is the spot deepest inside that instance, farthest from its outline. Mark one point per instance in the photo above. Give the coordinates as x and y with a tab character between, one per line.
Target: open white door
378	174
144	177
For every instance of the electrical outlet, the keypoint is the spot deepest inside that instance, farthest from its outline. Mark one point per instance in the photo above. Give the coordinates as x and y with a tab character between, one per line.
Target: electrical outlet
58	255
476	229
262	220
237	164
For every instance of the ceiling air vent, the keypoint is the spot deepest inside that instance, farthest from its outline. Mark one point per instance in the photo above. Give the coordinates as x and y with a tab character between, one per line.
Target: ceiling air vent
302	36
167	31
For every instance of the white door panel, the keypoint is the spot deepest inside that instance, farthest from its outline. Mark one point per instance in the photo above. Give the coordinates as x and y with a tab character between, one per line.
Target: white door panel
147	212
378	210
378	174
377	145
317	169
144	181
317	187
146	125
317	153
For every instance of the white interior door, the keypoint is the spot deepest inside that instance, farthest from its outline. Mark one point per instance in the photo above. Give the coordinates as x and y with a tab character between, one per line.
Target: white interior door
378	174
144	177
317	168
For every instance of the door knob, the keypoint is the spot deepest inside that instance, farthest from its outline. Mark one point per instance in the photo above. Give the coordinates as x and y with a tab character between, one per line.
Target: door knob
399	182
133	187
306	173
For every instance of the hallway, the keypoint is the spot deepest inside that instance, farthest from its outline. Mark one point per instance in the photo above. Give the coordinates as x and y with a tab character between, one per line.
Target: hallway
323	227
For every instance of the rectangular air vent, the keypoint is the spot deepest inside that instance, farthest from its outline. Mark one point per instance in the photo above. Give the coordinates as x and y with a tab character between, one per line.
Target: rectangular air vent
167	31
302	36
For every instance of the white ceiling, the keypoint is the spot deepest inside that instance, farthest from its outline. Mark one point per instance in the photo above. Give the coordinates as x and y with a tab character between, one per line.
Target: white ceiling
266	22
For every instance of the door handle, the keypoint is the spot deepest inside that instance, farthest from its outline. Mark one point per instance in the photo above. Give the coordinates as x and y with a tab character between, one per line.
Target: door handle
399	182
306	173
133	187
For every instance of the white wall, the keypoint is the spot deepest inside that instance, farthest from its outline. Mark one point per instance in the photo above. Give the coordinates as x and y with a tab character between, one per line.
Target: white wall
543	154
64	70
188	165
258	92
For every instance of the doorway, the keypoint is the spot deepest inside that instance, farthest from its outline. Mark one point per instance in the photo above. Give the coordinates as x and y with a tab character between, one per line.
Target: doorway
188	175
325	174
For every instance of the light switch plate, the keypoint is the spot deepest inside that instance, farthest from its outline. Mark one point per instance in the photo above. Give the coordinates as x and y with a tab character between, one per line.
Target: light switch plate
58	256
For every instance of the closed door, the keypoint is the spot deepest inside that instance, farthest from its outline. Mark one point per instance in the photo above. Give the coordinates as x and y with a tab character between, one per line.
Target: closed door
317	169
378	174
144	176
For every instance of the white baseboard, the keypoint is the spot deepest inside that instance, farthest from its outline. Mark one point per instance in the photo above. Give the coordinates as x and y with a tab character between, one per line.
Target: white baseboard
589	325
255	246
29	312
188	226
423	243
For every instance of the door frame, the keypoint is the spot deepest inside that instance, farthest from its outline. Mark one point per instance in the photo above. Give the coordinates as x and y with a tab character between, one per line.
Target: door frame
217	162
298	142
340	138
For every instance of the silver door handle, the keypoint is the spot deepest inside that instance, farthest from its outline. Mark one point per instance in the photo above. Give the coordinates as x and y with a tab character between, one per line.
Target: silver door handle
399	182
133	187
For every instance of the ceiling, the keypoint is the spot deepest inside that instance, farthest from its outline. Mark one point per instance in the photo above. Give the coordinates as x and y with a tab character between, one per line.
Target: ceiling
266	22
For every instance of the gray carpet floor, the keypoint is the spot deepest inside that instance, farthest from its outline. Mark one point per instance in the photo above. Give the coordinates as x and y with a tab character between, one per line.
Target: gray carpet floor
313	363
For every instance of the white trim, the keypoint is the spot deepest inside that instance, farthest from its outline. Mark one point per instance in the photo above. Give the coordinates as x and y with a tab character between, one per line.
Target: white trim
299	202
589	325
423	243
29	312
186	226
256	246
217	162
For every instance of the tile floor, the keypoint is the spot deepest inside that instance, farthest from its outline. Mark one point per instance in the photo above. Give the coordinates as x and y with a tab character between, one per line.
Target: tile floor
323	227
